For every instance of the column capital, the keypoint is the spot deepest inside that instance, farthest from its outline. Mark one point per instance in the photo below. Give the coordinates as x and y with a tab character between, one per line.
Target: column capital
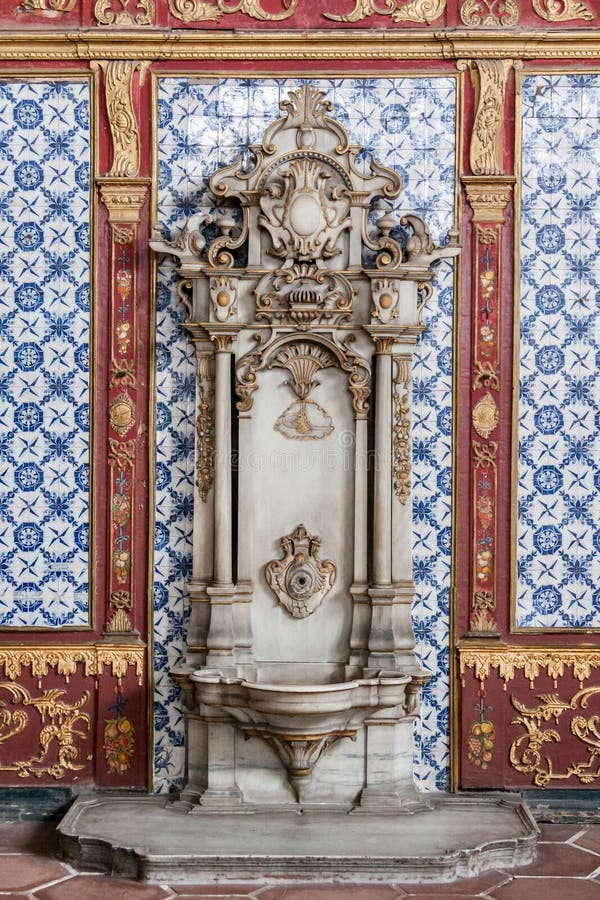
223	336
488	195
123	198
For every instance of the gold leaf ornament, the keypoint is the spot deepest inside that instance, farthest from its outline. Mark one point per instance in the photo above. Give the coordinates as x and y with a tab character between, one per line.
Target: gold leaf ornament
124	12
489	12
562	10
202	11
413	11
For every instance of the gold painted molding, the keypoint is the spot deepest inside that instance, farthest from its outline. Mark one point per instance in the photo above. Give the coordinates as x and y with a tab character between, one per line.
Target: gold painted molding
488	195
364	45
64	660
123	198
529	660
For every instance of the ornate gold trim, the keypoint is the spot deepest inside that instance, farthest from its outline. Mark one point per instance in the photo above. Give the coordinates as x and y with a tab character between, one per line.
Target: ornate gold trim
489	82
401	433
562	10
529	660
205	431
489	12
488	196
425	11
47	8
203	11
64	660
366	45
485	415
118	92
142	14
123	198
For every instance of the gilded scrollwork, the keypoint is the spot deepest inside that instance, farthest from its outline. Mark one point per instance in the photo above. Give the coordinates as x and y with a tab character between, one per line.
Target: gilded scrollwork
425	11
205	435
204	11
529	660
562	10
59	752
489	12
118	79
124	12
47	8
401	438
526	754
64	660
489	78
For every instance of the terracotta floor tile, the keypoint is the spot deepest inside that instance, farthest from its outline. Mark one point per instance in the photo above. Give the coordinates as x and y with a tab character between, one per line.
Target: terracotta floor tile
590	840
477	885
330	892
28	837
99	887
559	860
548	888
222	895
559	833
215	889
22	872
440	894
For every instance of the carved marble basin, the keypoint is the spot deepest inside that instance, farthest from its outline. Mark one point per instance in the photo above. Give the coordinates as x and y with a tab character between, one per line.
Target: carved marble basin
300	721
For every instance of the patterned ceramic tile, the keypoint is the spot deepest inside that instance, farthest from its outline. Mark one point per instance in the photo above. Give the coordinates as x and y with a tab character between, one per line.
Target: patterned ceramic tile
559	404
44	352
409	124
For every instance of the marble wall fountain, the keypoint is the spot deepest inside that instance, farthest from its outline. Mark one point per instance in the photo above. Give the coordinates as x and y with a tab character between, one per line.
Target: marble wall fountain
307	296
305	299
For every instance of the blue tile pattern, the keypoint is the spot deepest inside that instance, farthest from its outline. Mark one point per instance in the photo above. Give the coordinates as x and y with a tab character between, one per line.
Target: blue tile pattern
44	352
558	559
409	124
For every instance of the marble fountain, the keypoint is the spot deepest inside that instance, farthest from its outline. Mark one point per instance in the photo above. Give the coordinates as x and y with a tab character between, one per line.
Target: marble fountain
305	298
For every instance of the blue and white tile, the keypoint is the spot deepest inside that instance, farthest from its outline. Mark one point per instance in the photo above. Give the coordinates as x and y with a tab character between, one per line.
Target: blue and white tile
409	124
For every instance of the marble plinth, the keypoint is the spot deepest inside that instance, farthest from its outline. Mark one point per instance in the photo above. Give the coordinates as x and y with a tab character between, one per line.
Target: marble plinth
147	839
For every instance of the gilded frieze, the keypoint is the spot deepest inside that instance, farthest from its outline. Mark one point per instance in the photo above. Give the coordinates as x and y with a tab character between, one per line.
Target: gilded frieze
204	11
531	661
50	9
94	658
425	11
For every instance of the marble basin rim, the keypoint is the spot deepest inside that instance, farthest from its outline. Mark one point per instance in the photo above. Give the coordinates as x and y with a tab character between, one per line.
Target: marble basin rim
300	709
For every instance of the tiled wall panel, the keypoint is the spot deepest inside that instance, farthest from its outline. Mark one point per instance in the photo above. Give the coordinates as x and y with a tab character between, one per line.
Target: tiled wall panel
44	352
409	124
558	540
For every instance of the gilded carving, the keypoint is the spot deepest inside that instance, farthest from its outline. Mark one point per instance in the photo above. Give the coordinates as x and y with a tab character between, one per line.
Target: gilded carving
385	296
486	375
205	435
426	11
124	12
302	359
486	236
204	11
489	12
526	753
121	413
58	731
300	580
304	295
488	196
223	293
123	199
401	438
562	10
530	660
118	80
489	79
64	660
48	8
485	415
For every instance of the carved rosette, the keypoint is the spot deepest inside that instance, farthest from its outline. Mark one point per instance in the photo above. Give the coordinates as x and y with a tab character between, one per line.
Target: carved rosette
300	580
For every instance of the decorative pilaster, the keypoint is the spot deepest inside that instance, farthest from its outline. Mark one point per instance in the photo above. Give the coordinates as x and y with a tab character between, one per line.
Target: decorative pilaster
123	194
488	196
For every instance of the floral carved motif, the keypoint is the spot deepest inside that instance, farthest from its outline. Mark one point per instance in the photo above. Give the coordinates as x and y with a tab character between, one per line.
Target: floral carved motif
124	12
426	11
489	12
205	436
528	753
485	415
58	749
489	77
401	439
562	10
118	78
204	11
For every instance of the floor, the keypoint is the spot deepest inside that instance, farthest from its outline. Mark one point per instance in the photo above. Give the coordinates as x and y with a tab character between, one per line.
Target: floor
567	868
